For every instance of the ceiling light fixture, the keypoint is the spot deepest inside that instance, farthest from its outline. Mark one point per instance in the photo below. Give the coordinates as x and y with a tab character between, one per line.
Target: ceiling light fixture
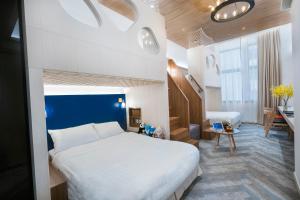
228	10
154	4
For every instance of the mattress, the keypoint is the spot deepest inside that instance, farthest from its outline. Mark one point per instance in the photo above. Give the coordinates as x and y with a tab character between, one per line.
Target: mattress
233	117
127	166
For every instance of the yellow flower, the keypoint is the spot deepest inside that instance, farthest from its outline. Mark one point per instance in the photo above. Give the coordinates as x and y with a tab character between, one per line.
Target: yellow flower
283	91
290	91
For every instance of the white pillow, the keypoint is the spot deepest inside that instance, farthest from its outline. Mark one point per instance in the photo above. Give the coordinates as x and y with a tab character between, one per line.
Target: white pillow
108	129
64	139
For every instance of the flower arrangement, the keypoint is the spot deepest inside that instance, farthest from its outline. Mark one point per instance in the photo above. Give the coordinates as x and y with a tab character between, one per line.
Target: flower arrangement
283	92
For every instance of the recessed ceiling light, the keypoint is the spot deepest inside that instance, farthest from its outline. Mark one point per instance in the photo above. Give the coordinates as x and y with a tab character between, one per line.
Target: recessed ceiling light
234	13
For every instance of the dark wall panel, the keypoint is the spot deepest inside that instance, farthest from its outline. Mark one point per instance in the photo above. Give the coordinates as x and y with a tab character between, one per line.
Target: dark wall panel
74	110
15	157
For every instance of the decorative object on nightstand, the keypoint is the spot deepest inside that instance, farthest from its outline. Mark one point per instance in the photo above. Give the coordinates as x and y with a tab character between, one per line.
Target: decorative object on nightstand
149	130
58	184
227	126
159	133
141	127
134	117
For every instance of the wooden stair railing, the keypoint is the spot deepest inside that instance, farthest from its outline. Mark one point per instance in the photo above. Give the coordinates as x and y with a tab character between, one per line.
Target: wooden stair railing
179	104
195	96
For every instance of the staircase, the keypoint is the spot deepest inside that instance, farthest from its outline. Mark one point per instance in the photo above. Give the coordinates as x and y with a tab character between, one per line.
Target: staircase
181	134
195	99
179	114
206	128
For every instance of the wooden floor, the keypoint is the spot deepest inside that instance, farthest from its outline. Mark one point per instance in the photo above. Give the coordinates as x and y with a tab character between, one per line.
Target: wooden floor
262	168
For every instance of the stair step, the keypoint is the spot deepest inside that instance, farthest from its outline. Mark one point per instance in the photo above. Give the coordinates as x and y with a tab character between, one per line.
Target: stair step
174	123
174	118
192	142
179	134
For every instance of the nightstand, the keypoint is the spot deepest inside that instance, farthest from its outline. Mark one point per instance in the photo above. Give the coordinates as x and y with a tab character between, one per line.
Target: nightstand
58	184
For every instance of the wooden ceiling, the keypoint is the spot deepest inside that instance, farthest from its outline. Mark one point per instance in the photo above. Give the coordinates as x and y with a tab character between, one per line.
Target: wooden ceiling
185	16
123	7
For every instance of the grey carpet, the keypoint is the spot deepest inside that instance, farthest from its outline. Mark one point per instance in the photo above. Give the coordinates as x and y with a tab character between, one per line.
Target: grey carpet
261	168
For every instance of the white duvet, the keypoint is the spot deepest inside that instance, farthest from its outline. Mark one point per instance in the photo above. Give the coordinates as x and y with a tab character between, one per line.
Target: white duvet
126	167
232	117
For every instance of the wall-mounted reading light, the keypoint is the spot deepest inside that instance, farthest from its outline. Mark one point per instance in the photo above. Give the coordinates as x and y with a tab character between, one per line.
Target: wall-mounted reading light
121	103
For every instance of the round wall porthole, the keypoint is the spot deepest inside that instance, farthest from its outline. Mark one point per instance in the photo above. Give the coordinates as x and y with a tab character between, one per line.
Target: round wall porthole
82	11
148	41
210	61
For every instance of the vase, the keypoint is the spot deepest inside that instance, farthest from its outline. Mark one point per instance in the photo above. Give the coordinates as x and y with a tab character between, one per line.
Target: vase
285	106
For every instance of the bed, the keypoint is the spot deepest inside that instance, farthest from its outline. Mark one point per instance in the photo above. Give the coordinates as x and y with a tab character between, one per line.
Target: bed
128	166
233	117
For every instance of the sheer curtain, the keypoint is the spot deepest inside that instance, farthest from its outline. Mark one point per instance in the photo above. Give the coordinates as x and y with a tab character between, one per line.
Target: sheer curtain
239	76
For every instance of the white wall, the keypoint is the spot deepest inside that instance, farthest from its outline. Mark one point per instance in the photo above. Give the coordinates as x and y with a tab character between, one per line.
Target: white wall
287	75
177	53
57	41
213	99
153	101
287	72
39	138
207	77
296	61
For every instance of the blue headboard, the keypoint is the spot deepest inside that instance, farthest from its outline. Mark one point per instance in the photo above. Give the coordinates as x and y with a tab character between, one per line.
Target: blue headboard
74	110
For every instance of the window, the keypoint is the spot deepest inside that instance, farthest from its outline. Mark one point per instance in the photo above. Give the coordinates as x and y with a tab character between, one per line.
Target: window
239	76
239	70
231	75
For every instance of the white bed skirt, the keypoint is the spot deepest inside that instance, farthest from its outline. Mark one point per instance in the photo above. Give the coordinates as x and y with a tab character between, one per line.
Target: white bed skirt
186	184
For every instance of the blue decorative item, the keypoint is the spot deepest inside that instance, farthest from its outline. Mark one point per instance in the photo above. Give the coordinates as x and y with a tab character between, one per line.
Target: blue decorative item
218	126
149	129
152	130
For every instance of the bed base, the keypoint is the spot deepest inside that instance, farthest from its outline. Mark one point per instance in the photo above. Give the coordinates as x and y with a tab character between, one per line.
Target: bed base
186	184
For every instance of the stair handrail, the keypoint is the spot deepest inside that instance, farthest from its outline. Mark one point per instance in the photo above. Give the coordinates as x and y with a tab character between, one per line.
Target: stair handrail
192	79
198	91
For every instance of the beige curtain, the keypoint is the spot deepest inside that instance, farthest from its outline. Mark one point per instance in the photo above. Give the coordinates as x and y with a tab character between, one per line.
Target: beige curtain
269	70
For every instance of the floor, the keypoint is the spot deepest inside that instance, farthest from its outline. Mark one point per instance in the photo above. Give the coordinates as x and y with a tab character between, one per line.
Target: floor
262	168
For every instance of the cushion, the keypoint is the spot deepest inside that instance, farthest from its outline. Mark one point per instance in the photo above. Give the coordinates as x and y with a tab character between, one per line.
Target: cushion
64	139
108	129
